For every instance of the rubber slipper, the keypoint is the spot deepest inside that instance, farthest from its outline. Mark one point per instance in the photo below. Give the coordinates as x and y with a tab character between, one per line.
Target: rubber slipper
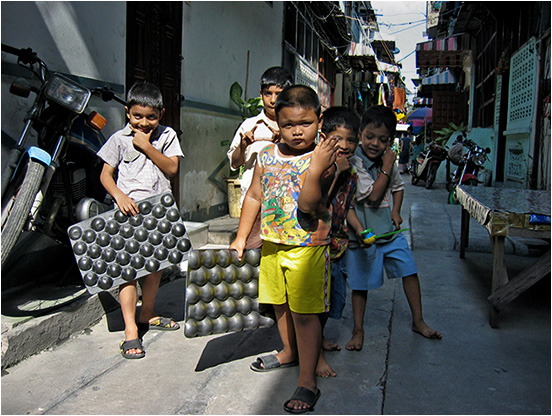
305	395
270	363
129	345
163	324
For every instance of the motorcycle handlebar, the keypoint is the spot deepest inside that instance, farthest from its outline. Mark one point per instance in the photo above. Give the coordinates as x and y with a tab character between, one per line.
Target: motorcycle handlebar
25	56
107	94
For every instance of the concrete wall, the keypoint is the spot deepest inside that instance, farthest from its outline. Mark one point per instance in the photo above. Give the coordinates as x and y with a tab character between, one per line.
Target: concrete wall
88	39
216	38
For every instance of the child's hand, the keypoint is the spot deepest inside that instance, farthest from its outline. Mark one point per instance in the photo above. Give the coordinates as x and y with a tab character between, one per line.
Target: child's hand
397	219
275	133
239	246
127	205
388	157
343	164
248	137
141	140
324	154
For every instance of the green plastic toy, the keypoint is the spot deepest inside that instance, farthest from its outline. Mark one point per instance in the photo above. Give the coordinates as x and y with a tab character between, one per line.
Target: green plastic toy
368	237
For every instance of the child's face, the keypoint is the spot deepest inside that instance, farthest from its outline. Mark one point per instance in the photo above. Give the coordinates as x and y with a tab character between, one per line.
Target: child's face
298	128
269	95
375	140
144	119
347	141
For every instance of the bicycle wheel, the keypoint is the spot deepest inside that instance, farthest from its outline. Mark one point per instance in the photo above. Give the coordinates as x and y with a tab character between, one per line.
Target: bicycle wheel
16	216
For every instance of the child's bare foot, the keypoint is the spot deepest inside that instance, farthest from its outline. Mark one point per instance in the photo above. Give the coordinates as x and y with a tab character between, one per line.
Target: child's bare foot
323	369
423	329
356	342
329	346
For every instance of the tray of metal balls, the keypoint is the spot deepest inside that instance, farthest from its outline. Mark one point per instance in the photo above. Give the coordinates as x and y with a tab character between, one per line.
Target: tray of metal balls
113	248
222	293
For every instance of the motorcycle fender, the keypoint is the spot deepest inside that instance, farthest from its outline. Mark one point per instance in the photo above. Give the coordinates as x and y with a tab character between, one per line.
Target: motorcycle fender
39	155
468	176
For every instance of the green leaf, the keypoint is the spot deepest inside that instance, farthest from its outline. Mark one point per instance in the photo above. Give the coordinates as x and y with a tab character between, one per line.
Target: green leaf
235	93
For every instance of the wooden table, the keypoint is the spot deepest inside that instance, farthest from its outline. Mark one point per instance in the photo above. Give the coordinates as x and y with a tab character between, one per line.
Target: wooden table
506	212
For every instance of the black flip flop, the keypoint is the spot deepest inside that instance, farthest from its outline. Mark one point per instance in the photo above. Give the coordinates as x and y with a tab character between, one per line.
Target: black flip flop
129	345
270	363
305	395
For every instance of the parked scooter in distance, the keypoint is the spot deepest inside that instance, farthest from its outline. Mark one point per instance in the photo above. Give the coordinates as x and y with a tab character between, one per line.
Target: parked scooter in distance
468	167
425	166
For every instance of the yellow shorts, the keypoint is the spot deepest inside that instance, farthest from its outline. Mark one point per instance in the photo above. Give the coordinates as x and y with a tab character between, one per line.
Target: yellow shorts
298	276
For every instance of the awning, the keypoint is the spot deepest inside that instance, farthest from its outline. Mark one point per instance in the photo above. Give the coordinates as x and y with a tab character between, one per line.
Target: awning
445	77
442	53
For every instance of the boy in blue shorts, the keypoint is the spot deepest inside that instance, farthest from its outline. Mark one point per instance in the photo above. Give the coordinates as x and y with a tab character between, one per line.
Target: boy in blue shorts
289	186
379	196
341	124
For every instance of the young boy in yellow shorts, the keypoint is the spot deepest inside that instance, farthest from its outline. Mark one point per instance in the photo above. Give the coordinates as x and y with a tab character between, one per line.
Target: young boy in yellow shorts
289	187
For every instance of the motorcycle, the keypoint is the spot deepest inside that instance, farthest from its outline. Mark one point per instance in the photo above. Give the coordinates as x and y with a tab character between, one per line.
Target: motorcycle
55	184
468	168
425	166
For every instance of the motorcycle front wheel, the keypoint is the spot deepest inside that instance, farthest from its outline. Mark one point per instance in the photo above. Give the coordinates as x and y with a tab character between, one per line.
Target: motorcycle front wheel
16	215
431	175
413	171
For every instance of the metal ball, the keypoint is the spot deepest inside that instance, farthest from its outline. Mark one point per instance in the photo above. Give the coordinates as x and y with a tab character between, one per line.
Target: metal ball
205	327
175	257
85	263
80	248
94	251
228	307
132	246
158	211
137	262
237	289
167	200
114	270
234	258
109	254
146	249
126	230
164	226
223	258
178	230
97	224
221	291
144	207
192	295
89	236
252	320
103	239
123	258
190	329
128	274
152	265
169	241
99	266
112	227
252	288
117	242
161	253
213	309
184	245
141	234
198	311
252	257
105	282
75	233
215	275
208	258
230	274
194	260
136	220
173	215
90	279
198	277
246	273
207	293
244	305
120	217
220	325
155	238
150	223
236	323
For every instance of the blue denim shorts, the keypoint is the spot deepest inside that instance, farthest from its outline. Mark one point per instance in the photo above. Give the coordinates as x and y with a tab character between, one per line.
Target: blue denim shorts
338	287
365	265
